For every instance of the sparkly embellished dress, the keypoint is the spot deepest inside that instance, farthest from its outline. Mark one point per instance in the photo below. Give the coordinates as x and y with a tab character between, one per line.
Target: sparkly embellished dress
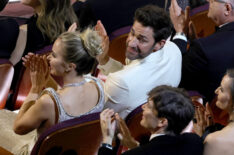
23	144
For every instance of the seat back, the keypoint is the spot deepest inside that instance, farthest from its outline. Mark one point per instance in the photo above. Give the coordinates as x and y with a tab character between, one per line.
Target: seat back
4	152
118	43
204	25
76	136
6	72
138	132
133	122
220	116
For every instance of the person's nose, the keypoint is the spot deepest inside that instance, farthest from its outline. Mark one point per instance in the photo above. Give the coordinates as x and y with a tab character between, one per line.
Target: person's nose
132	41
143	106
217	91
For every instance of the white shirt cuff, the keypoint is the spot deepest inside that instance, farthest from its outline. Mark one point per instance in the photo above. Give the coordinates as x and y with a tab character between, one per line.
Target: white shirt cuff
179	36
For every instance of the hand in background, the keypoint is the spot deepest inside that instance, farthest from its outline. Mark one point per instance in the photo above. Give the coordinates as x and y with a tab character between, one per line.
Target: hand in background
204	118
125	135
39	72
179	18
72	28
27	58
107	125
103	58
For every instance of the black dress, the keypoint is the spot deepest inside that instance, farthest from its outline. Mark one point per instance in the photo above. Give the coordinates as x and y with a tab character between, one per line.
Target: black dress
9	30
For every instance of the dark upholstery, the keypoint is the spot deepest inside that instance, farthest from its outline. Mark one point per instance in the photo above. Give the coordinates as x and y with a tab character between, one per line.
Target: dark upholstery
119	32
76	136
6	72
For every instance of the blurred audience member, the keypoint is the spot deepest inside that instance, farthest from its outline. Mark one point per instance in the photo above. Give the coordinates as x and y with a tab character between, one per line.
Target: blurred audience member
52	17
9	30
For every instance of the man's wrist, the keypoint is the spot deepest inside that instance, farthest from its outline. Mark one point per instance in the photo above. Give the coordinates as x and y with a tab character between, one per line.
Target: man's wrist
108	146
107	140
181	33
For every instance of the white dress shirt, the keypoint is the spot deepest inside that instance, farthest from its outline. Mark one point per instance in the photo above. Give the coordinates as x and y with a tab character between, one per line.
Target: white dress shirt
126	87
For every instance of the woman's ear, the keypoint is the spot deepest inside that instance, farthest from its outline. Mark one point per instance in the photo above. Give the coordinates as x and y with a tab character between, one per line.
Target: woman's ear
159	45
70	66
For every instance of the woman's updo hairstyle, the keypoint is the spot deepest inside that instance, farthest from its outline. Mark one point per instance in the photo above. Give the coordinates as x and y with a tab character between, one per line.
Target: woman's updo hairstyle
81	49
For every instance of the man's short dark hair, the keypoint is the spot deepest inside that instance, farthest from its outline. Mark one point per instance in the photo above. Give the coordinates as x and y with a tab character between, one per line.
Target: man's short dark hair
175	105
155	17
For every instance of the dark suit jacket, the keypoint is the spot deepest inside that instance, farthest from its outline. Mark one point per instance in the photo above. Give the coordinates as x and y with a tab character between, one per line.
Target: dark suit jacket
9	30
207	60
114	14
185	144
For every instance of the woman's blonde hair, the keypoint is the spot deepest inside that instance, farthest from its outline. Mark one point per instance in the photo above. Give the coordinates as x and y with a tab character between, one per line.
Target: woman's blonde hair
54	16
81	49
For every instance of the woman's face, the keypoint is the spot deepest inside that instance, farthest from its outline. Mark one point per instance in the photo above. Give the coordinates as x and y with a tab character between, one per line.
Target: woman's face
31	3
224	100
57	64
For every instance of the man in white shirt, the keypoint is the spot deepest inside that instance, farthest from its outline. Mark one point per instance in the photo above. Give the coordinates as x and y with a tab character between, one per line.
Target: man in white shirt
151	61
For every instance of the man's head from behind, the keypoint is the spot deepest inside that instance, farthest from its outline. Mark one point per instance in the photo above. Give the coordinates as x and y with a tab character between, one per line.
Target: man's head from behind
152	26
221	11
168	110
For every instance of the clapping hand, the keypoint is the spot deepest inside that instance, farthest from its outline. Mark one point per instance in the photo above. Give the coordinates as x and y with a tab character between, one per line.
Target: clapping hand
39	72
107	125
181	20
124	134
204	118
103	58
72	28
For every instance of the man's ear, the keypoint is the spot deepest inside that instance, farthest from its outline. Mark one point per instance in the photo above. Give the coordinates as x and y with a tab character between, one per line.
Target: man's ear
163	122
159	45
228	10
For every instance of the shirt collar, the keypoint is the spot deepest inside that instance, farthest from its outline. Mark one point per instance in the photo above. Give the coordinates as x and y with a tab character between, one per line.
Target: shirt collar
156	135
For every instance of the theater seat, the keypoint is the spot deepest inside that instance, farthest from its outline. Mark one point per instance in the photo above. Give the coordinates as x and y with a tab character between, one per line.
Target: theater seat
4	152
137	131
79	136
6	75
204	25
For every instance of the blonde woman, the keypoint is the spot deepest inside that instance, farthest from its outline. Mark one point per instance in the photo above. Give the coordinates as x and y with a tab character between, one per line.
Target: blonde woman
73	55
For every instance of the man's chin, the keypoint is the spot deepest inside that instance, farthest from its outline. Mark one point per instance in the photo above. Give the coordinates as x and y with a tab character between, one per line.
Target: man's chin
131	56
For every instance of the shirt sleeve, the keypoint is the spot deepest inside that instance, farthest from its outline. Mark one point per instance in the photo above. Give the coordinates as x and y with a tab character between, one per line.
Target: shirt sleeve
117	94
110	67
